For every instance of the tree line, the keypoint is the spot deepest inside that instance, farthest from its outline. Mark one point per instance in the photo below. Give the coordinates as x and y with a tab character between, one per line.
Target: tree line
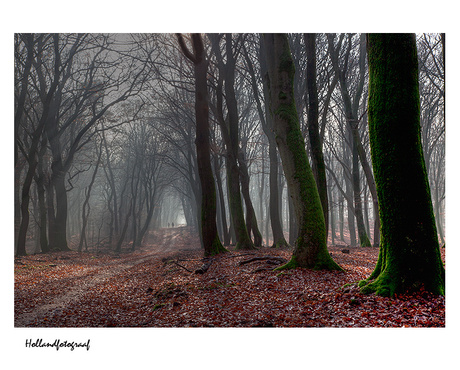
251	139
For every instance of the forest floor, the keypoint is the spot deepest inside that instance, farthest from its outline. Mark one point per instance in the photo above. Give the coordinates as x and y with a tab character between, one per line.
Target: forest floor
156	286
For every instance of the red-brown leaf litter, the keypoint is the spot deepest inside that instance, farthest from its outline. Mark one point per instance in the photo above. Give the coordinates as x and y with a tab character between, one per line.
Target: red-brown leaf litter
157	286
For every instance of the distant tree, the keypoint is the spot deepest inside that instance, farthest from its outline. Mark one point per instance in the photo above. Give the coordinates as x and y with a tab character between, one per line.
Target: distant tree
351	105
311	250
409	252
211	242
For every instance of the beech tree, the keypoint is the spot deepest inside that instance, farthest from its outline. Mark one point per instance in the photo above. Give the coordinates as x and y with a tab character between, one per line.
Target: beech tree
318	166
311	250
262	103
230	133
409	252
211	242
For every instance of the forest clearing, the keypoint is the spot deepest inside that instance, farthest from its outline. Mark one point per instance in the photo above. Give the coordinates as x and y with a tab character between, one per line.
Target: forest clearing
156	286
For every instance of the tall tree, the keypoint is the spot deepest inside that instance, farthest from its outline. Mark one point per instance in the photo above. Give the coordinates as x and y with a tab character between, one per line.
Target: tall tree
409	252
211	242
311	250
265	119
316	146
351	106
230	134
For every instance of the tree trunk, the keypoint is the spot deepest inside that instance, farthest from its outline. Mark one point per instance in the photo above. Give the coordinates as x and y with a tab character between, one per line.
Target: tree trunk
351	113
251	220
362	234
85	210
211	241
311	250
409	252
230	134
316	146
223	215
59	227
124	229
264	116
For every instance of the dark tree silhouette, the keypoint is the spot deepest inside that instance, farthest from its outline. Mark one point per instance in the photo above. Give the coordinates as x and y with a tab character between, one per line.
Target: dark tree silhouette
409	251
211	242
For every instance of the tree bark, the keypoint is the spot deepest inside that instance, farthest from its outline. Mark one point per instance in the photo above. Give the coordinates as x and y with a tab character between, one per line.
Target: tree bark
86	209
251	220
275	221
409	252
230	134
211	241
316	146
351	113
311	250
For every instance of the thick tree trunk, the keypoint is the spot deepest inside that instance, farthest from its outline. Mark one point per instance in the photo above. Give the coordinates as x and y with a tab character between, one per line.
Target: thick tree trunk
311	250
409	252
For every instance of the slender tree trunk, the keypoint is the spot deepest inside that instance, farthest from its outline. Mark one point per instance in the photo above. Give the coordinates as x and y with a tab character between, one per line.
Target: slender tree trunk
86	209
311	250
351	113
265	118
230	134
223	217
251	220
316	146
409	252
362	234
211	241
125	228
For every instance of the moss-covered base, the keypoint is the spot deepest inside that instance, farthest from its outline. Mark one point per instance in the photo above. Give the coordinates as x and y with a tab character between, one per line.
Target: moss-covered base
247	245
387	286
364	241
281	243
216	248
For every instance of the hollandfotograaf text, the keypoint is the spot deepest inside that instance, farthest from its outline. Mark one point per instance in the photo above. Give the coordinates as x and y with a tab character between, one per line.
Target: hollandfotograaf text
58	344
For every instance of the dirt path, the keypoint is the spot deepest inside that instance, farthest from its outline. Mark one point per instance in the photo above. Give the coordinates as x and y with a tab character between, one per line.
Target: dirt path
86	277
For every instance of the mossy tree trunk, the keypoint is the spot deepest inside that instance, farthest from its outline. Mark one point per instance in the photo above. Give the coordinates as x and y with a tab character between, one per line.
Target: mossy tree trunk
311	250
210	237
409	251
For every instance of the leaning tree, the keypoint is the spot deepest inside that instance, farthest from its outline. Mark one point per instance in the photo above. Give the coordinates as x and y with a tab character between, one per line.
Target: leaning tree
311	250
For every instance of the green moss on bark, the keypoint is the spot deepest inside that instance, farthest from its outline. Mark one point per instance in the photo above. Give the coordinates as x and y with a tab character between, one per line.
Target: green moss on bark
311	250
409	252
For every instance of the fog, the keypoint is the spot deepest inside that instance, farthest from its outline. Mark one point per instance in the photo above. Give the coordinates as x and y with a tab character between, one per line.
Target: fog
105	138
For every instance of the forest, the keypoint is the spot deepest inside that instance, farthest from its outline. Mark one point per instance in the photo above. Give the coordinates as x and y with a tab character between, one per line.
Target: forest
229	180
